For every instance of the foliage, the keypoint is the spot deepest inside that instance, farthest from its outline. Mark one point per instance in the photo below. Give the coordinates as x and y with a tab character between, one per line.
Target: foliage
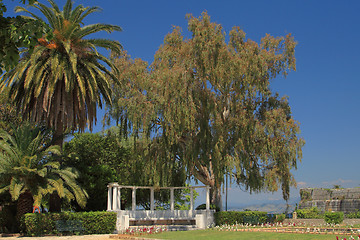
280	217
334	217
103	158
233	217
8	115
63	80
183	198
36	224
207	106
355	214
100	161
16	33
309	213
28	168
305	195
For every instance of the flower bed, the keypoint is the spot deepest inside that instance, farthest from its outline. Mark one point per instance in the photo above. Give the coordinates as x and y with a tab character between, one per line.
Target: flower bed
334	229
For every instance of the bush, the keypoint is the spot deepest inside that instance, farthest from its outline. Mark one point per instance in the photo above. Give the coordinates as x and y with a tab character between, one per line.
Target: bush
334	217
35	224
280	217
309	213
353	215
233	217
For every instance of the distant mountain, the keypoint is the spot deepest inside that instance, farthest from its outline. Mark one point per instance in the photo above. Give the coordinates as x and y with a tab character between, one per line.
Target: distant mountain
269	207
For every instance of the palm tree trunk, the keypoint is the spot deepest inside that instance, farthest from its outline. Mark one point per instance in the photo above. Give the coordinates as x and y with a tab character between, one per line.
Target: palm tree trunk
58	137
24	204
55	203
55	200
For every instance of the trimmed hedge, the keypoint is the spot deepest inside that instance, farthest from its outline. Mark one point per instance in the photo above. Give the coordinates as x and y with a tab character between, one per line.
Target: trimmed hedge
233	217
309	213
37	224
353	214
334	217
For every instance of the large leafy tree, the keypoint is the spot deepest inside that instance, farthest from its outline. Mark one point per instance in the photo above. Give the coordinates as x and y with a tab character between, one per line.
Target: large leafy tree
104	158
30	174
15	34
207	104
62	81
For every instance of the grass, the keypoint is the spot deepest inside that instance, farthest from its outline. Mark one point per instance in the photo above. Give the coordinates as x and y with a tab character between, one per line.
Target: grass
213	234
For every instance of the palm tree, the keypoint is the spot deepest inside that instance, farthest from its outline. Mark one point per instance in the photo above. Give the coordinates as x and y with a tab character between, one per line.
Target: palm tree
27	172
64	78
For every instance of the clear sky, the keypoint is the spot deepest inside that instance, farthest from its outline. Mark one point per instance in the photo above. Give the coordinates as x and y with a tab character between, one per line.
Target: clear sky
323	92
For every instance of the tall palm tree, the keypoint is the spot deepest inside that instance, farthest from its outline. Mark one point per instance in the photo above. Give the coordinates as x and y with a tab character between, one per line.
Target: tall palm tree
27	172
64	78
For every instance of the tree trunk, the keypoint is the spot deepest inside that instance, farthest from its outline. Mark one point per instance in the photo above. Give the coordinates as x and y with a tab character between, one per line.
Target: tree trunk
206	176
58	136
55	203
216	197
24	205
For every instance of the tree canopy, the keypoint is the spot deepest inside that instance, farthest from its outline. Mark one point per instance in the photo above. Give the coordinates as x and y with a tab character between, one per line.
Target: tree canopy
104	158
207	105
16	33
63	80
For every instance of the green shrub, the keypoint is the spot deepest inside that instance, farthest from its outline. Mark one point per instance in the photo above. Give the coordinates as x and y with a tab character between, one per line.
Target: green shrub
309	213
233	217
353	214
334	217
36	224
280	217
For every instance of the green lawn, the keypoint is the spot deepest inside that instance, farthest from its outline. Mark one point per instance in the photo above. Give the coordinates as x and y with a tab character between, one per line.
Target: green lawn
213	234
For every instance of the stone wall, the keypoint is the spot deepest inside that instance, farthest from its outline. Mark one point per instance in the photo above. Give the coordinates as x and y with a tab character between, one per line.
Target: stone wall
345	200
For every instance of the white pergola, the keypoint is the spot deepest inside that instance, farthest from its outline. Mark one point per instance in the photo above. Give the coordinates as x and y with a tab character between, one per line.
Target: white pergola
203	218
114	196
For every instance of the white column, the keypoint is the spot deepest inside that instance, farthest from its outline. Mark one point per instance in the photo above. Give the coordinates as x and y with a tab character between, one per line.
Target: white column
118	198
114	198
207	198
152	199
172	199
109	198
191	199
133	199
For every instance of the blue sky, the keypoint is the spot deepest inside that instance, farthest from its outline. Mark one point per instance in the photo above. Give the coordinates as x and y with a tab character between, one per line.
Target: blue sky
323	92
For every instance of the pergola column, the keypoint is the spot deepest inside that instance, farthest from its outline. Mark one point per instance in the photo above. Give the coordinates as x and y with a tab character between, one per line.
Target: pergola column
152	199
114	197
109	198
119	198
207	198
133	199
172	199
